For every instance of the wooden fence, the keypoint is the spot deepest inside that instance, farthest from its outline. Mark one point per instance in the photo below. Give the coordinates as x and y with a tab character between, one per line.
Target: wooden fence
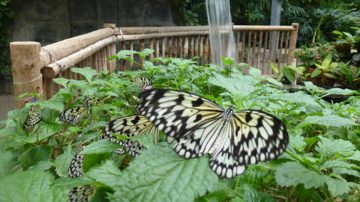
34	66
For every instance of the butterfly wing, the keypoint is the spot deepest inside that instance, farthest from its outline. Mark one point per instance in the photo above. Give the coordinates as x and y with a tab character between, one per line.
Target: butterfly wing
192	123
128	126
73	116
258	136
76	166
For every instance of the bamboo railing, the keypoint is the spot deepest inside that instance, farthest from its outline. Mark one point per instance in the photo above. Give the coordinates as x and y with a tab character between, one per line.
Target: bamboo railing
34	66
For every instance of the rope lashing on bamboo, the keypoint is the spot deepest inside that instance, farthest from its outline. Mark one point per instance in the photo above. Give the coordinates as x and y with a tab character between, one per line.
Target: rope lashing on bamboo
27	82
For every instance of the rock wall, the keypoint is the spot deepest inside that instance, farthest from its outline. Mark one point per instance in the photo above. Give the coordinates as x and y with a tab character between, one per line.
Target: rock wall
48	21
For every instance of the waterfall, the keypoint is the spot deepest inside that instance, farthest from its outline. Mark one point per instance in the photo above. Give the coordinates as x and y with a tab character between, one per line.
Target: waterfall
221	36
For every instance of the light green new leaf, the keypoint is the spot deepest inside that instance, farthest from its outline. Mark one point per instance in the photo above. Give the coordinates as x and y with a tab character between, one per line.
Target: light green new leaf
87	72
61	81
159	174
328	147
108	174
28	186
329	120
293	173
99	147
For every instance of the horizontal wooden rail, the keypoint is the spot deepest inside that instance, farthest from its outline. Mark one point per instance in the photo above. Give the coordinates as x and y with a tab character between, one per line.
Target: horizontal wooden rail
34	66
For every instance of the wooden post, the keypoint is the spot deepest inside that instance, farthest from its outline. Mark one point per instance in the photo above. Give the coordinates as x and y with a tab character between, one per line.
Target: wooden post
26	66
293	39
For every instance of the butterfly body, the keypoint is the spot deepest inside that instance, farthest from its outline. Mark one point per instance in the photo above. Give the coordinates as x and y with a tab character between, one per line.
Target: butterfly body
197	126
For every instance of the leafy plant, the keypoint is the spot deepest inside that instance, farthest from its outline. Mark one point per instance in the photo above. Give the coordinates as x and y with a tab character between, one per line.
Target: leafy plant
321	162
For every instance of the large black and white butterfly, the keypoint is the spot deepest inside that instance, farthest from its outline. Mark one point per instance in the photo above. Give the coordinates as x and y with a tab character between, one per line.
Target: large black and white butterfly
129	126
196	127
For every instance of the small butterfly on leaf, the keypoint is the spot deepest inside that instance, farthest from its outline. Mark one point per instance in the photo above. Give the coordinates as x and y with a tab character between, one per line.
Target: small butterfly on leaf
33	117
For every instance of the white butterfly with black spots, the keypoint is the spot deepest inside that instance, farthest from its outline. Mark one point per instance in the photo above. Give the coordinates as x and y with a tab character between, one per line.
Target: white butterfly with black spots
196	126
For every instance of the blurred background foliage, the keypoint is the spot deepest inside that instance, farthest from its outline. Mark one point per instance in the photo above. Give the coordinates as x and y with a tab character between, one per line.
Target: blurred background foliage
317	18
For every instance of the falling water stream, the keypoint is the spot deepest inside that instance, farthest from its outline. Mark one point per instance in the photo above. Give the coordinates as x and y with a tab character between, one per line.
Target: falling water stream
221	36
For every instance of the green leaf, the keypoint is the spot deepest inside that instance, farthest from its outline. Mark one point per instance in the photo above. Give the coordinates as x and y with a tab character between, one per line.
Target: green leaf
34	155
339	91
326	62
337	187
290	74
7	162
329	121
298	97
29	186
52	104
298	142
355	156
87	72
315	73
101	146
311	87
159	174
329	147
61	81
108	173
62	163
293	174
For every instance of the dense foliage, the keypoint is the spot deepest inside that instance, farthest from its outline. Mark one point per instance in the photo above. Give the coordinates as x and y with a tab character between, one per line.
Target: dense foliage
321	162
317	18
6	16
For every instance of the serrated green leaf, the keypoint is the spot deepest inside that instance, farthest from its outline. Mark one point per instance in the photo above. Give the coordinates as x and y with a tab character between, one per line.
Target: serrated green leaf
43	131
34	155
298	142
337	187
293	174
328	147
159	174
355	156
52	104
329	120
62	163
61	81
101	146
29	186
108	173
298	97
95	125
311	87
337	164
87	72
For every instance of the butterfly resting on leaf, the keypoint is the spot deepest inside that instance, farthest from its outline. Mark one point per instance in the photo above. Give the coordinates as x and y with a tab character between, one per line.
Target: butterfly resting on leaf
196	127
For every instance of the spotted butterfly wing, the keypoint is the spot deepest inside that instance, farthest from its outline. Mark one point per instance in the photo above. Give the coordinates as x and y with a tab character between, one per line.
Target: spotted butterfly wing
196	127
80	193
76	166
129	126
73	116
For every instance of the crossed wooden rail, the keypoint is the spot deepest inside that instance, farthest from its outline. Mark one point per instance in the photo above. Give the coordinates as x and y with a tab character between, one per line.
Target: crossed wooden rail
34	66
